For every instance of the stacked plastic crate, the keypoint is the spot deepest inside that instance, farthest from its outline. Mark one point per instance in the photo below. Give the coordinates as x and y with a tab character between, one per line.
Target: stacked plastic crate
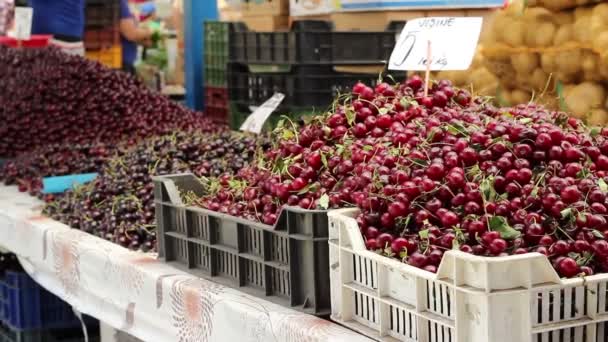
102	32
311	64
217	35
29	313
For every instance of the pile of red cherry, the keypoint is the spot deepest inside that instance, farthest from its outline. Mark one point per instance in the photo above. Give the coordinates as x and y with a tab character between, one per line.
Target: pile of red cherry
440	172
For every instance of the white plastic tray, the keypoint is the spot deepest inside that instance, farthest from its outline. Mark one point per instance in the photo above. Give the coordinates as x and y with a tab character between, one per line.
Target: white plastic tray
471	298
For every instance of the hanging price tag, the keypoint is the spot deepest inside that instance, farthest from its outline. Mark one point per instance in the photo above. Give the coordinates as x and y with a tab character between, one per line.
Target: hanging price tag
256	120
23	22
453	42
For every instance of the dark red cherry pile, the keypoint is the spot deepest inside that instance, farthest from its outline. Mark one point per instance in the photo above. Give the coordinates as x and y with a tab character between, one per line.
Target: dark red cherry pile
119	204
49	97
439	172
64	114
27	170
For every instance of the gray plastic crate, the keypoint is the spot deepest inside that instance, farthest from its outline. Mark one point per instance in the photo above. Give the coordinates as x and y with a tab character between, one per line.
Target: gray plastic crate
287	264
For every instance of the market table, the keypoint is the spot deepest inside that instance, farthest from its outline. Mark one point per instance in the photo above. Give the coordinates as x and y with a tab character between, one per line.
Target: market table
138	294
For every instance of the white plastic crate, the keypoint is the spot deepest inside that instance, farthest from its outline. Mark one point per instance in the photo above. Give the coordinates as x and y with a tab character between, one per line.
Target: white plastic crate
517	298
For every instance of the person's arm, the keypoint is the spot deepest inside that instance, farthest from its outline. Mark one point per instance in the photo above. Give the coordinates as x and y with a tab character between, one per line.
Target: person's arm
129	28
131	31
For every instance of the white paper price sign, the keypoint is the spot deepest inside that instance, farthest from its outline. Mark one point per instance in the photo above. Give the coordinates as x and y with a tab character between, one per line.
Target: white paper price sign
256	120
452	44
23	22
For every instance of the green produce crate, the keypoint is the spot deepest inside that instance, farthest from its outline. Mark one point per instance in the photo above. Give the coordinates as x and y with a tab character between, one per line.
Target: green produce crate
215	77
287	263
216	35
238	115
216	61
217	31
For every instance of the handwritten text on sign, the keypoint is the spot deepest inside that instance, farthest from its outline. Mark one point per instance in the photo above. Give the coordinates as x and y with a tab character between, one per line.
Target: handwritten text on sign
256	120
453	44
23	22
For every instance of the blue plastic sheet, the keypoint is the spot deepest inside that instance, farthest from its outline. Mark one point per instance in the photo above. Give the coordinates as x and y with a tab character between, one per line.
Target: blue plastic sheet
54	185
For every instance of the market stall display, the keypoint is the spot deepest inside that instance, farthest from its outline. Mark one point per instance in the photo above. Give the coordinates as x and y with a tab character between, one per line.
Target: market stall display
471	207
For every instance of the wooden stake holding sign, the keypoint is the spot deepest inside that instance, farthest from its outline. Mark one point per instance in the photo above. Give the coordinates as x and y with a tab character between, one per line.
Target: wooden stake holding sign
427	74
23	24
453	42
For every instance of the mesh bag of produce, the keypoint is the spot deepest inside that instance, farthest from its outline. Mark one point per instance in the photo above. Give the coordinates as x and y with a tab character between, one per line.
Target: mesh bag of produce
477	78
558	5
533	50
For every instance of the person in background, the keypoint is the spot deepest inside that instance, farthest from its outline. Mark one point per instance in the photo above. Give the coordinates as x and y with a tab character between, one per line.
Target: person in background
64	19
131	35
7	8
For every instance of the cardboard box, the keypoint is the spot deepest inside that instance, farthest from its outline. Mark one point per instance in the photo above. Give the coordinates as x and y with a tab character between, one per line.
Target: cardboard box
267	23
309	7
231	5
378	20
371	21
229	14
257	8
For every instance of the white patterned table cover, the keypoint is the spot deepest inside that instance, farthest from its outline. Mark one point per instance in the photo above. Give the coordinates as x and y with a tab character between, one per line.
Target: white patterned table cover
140	295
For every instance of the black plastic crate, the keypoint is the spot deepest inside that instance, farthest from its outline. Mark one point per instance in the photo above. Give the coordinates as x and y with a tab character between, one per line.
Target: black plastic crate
303	86
287	264
101	14
313	42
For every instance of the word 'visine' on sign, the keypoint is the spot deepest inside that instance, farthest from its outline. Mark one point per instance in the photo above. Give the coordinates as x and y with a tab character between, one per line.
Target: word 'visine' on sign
453	43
